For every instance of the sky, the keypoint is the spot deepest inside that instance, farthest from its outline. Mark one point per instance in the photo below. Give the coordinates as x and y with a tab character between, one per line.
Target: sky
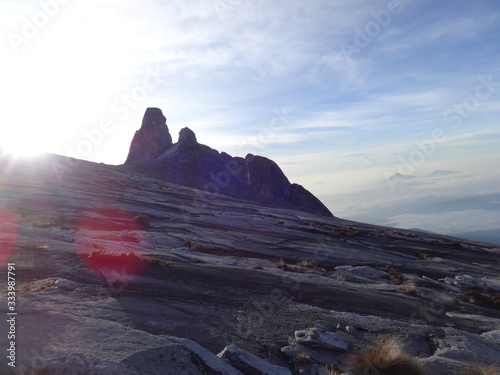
342	94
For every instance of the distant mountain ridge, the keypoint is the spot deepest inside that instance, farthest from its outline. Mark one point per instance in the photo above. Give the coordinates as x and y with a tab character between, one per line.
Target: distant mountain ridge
436	173
192	164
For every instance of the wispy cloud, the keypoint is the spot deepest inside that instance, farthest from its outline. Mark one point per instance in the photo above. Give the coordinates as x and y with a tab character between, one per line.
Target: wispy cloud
351	117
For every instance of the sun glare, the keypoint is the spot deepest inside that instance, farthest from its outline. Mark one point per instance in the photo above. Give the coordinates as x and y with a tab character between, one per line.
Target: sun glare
22	148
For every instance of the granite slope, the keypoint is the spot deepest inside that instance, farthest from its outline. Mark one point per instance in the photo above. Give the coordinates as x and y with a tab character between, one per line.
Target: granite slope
118	272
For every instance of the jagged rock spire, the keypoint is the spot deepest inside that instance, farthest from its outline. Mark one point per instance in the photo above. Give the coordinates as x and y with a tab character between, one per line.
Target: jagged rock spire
190	163
152	139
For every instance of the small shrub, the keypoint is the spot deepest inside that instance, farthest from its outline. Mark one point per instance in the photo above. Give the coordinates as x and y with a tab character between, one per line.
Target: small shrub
422	255
384	358
495	298
305	263
142	219
410	289
157	261
347	231
479	370
281	221
257	268
477	298
280	263
406	234
339	277
193	245
395	278
303	357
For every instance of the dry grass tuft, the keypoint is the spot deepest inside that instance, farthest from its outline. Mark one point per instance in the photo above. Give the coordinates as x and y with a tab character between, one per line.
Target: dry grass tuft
305	263
480	299
422	255
410	289
142	219
479	370
280	263
157	261
193	245
303	357
339	277
331	371
384	358
346	231
395	278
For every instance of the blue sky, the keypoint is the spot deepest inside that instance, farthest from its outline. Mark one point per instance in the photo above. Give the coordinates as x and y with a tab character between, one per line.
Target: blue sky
342	94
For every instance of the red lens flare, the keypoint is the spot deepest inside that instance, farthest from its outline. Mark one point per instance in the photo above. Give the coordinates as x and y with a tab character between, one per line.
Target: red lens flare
8	234
109	241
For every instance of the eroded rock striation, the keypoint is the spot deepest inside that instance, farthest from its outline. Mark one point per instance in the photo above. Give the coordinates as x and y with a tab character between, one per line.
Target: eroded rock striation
284	291
192	164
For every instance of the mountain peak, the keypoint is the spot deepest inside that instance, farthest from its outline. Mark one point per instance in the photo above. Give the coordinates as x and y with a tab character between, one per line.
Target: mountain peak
189	163
152	139
186	136
439	173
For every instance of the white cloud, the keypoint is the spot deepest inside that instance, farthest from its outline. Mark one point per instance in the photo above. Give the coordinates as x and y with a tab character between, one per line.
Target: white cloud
449	222
226	66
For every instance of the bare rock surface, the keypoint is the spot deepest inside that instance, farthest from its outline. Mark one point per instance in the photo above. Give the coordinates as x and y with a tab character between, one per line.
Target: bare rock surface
319	337
118	272
250	364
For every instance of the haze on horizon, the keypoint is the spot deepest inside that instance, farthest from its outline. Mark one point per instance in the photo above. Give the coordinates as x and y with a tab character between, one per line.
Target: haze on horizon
342	95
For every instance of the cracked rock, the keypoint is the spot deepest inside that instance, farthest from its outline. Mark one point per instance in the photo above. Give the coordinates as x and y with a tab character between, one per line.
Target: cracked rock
319	337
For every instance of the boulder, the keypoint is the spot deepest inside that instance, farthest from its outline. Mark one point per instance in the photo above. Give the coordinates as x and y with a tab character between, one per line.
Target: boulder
65	345
319	337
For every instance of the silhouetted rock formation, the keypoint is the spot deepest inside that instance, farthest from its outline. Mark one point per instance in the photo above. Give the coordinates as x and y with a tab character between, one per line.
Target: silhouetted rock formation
192	164
152	139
